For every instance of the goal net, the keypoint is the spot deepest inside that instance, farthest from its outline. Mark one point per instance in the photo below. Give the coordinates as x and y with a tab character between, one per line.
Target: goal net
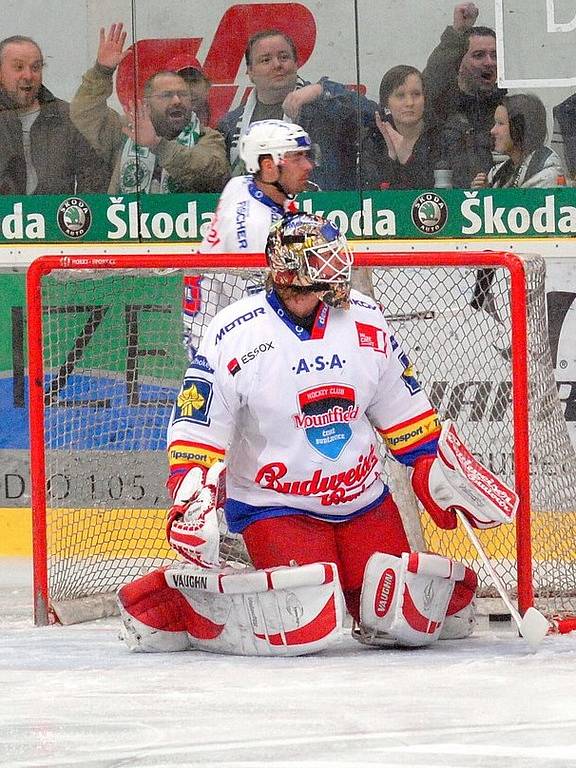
105	364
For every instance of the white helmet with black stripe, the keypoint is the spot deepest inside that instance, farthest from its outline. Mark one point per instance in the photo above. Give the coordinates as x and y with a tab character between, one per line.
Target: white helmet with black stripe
271	137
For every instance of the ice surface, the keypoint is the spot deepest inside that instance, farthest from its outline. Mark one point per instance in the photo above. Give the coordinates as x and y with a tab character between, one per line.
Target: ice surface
74	696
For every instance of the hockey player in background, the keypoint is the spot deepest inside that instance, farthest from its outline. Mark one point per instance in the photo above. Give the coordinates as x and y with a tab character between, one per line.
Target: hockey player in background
292	387
278	158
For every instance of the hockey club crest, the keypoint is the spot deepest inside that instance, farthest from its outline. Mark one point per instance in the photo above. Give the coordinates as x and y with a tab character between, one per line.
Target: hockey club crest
193	402
325	413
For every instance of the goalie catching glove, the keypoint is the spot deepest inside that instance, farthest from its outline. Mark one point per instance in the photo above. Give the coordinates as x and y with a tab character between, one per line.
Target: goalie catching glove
454	479
192	524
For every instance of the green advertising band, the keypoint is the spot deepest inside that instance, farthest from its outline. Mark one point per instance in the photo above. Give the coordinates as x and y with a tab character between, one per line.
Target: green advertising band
405	214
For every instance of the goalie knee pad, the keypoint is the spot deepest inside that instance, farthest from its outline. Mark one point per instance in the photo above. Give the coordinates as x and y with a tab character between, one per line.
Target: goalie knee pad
405	599
460	620
461	624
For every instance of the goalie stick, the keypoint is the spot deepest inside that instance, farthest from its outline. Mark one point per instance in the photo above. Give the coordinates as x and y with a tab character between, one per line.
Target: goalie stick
533	626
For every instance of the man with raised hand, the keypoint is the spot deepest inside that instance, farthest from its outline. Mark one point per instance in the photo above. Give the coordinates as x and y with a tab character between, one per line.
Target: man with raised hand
461	89
41	152
159	145
326	110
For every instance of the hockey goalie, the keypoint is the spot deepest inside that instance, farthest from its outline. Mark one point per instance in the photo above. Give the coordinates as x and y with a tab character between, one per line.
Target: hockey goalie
291	389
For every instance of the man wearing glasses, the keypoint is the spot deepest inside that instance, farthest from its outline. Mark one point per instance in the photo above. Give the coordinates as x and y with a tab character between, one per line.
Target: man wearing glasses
159	146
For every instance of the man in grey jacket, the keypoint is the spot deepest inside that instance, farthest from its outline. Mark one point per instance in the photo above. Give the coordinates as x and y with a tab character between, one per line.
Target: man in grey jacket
41	152
159	145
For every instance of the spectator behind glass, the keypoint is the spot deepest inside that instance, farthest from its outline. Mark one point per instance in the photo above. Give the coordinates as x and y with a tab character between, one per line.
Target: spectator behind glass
41	152
520	132
326	110
401	149
160	146
460	80
199	87
564	136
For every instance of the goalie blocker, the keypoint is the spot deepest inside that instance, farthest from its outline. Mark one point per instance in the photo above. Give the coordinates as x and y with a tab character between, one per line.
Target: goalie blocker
455	479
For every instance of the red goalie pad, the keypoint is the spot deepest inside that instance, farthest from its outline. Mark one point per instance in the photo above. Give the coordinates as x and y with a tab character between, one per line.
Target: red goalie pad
277	611
151	601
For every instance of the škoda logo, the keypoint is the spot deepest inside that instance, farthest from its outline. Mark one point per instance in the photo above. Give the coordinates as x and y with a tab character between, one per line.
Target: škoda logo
74	217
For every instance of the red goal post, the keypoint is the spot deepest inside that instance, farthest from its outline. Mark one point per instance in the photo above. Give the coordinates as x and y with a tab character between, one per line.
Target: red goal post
106	359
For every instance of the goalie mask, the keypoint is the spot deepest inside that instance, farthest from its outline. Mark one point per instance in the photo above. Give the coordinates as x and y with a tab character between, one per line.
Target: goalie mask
306	251
271	137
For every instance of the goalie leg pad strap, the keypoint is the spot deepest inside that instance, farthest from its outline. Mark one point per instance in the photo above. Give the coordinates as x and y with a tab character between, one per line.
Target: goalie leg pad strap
405	599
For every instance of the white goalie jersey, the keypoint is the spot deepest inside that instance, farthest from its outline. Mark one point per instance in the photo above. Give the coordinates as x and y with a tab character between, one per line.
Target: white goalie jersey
295	412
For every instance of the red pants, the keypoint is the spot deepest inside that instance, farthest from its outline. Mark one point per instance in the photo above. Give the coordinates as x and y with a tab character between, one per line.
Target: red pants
301	539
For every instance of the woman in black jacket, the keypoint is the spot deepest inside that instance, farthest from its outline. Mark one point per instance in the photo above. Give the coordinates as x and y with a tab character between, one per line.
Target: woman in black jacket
401	148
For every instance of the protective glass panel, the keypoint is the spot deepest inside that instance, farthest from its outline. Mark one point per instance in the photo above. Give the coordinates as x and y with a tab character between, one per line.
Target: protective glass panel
332	67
